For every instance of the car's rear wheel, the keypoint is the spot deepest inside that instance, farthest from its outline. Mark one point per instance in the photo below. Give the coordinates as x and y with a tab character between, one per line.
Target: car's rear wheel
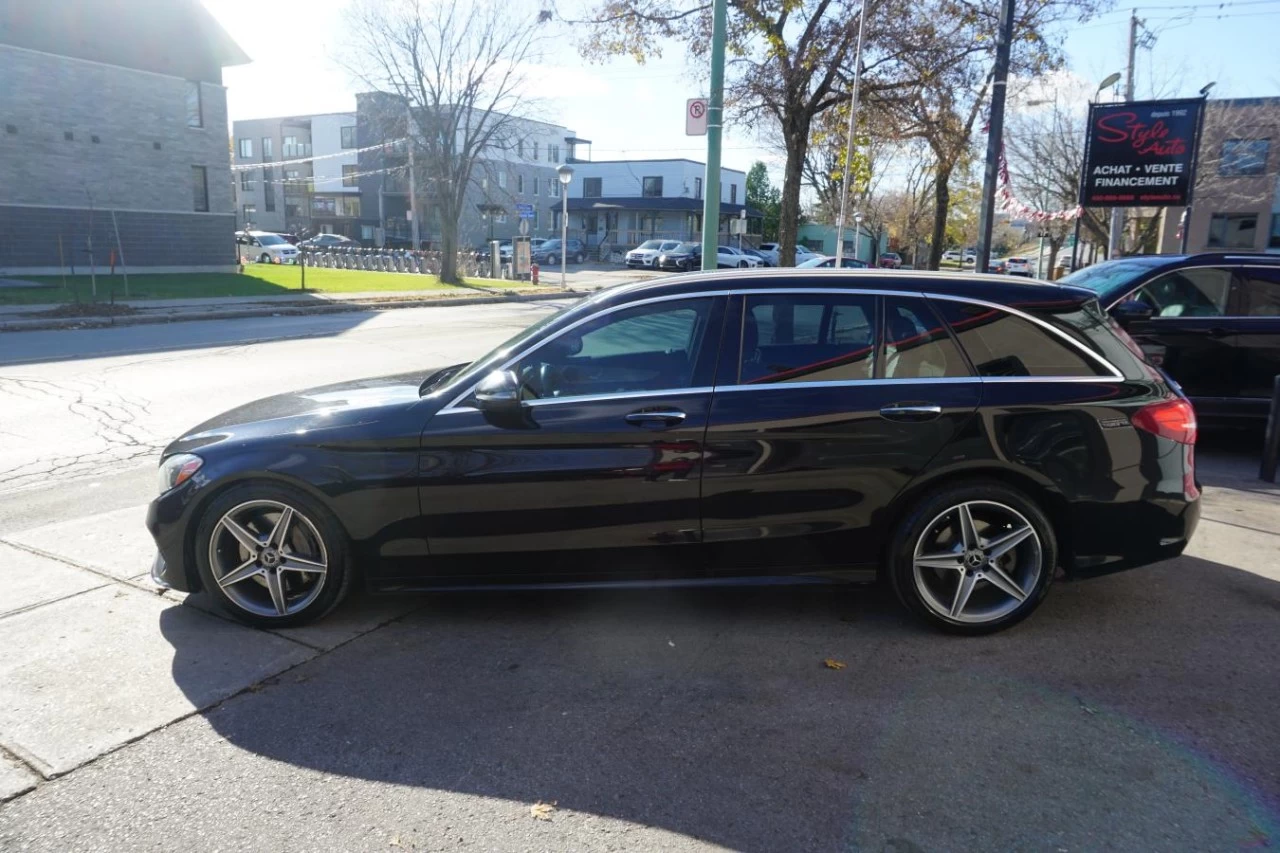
552	260
973	558
271	556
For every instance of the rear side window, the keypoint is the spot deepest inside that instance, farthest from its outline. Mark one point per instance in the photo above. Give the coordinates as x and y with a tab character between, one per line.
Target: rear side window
808	338
1003	344
916	344
1261	291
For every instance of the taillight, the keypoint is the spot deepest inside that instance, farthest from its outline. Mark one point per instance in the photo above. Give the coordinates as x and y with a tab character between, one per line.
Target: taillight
1174	419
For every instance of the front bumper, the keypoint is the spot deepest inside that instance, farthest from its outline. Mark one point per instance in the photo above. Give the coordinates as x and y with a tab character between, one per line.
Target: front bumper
167	519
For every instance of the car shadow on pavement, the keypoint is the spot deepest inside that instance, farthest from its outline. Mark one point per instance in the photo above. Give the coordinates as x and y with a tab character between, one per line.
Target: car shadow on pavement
1137	711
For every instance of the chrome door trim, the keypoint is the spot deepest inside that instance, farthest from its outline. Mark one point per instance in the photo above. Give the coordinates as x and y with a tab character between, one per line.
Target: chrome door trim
1115	374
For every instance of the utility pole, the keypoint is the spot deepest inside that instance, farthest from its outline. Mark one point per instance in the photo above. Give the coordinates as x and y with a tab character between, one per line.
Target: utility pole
715	124
1116	242
848	148
995	137
413	185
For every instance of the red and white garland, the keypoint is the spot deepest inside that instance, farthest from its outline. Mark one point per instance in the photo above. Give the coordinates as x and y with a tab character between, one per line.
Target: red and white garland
1010	203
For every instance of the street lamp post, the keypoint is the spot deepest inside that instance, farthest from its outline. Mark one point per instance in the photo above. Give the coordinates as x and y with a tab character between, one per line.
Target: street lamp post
857	233
565	174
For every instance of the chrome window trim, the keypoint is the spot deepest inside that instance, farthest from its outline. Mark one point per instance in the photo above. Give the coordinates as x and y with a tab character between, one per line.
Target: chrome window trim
1115	374
670	297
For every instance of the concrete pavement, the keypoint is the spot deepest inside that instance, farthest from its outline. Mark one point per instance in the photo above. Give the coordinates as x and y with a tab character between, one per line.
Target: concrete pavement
1134	712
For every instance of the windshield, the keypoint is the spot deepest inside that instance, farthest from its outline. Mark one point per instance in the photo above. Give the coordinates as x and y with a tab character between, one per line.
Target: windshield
1112	277
550	244
650	244
270	240
688	247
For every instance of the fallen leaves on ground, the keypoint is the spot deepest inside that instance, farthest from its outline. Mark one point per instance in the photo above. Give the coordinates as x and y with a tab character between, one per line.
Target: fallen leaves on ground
541	810
832	663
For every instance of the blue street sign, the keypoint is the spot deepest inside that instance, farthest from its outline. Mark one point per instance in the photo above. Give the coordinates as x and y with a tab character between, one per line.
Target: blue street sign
525	211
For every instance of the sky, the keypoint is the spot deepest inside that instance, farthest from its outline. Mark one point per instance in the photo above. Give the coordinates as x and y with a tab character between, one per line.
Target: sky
633	112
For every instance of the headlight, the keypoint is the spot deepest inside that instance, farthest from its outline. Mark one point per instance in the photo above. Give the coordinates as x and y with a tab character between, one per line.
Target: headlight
177	469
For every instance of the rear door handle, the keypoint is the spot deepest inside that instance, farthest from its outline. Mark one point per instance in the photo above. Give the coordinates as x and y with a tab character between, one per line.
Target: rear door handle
656	417
910	411
1218	332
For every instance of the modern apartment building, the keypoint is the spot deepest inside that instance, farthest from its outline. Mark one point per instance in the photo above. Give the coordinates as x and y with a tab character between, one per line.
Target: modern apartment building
296	174
522	169
114	136
1236	206
617	204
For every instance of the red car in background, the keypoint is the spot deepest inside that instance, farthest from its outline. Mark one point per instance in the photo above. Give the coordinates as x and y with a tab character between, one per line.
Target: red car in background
891	261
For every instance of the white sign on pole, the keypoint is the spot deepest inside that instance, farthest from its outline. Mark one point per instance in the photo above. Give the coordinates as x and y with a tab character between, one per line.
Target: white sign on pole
695	117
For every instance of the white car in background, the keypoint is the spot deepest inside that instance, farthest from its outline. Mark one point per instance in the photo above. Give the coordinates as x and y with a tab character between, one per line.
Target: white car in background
770	251
1018	266
646	254
951	255
728	256
266	248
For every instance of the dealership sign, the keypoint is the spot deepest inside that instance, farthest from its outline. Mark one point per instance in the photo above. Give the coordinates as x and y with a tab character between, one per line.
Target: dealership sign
1141	154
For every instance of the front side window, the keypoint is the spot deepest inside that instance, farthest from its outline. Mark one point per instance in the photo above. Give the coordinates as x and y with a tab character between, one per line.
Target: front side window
348	135
1244	157
200	188
807	338
1233	230
1261	291
1198	292
916	344
195	105
591	187
1003	344
652	187
645	348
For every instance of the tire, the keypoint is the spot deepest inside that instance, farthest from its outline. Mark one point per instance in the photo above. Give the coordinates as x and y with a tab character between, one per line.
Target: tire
279	589
930	532
264	258
552	260
577	259
742	265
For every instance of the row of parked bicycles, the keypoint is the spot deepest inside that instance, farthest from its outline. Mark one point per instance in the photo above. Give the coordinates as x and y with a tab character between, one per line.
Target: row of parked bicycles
472	263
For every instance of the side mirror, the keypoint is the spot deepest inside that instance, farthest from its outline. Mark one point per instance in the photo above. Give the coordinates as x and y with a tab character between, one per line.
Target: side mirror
1131	310
499	393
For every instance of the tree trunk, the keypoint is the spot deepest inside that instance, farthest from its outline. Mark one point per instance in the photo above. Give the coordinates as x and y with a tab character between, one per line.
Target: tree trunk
942	204
1055	246
789	208
449	247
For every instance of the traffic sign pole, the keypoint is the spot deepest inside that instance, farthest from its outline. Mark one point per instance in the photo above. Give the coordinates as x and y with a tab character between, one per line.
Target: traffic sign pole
715	124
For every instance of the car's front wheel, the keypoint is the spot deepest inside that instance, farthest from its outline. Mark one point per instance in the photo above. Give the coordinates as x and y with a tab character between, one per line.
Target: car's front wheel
973	558
271	556
264	258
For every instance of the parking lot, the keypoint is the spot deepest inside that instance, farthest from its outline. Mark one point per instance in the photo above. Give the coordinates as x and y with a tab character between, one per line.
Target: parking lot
1133	712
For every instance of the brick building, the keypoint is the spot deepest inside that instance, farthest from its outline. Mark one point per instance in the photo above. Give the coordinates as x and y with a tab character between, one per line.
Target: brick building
114	107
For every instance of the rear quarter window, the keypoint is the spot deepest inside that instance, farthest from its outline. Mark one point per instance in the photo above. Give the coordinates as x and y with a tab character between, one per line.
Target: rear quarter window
1003	344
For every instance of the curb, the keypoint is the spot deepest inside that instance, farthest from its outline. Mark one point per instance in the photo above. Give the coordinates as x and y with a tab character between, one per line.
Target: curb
286	309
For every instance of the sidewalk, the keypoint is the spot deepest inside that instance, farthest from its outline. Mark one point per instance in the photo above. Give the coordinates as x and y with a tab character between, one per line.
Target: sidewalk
141	311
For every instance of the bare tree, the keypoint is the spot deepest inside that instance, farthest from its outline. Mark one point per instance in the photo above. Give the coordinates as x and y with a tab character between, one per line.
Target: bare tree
453	76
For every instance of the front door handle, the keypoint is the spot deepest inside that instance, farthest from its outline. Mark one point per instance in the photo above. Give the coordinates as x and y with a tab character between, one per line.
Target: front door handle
910	411
1218	332
656	417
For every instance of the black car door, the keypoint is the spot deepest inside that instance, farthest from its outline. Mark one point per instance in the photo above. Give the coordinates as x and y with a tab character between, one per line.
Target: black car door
1257	327
599	479
830	405
1189	333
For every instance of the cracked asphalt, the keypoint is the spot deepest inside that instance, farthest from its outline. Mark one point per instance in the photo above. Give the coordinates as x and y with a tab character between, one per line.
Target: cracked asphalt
1134	712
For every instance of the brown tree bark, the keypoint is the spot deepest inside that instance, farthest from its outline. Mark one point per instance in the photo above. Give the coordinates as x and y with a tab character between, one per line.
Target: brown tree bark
942	204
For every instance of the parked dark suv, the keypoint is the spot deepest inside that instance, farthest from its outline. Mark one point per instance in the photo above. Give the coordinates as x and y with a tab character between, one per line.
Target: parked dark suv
1211	320
961	436
549	253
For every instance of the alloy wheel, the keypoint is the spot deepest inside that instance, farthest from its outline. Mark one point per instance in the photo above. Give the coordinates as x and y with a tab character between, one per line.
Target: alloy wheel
977	562
268	558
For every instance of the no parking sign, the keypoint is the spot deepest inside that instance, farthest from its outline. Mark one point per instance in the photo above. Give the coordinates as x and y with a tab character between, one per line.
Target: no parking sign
695	117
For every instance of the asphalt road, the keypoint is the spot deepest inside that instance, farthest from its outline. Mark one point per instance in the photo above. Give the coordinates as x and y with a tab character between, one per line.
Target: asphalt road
1135	712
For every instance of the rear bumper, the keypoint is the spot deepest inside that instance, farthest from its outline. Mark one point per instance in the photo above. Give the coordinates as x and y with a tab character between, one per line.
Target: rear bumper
1114	537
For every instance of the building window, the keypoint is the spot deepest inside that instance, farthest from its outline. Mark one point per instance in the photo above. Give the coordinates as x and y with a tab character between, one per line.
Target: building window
244	148
292	210
250	211
200	188
324	207
502	180
1244	157
536	186
520	184
652	187
591	187
733	193
349	176
553	153
348	136
697	187
267	148
520	148
195	108
291	174
534	224
246	183
1233	230
268	190
366	232
535	151
349	206
554	190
